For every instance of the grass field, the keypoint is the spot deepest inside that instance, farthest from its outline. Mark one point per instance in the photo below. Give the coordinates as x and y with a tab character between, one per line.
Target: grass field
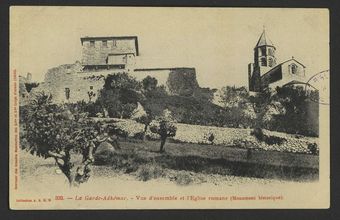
140	163
212	159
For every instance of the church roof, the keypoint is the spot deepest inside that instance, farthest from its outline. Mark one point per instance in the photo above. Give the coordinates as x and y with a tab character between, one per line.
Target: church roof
294	82
264	40
292	59
279	65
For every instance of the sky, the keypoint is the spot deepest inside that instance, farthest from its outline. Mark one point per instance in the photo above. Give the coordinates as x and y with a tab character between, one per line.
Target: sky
218	42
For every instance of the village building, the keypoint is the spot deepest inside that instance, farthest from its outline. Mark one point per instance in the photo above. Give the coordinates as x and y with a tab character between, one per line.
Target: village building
24	94
102	56
109	52
267	72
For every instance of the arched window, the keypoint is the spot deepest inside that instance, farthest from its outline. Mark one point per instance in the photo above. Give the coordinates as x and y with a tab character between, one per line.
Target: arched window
263	62
270	62
293	68
67	93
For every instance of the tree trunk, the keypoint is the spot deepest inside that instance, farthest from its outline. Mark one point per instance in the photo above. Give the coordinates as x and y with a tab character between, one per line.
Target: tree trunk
92	148
79	174
161	149
76	174
144	133
249	153
72	181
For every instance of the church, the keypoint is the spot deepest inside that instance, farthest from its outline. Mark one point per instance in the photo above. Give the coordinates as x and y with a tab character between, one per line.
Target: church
266	72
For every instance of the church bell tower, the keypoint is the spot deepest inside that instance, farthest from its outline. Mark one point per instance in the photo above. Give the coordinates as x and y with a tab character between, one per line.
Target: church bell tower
264	60
264	54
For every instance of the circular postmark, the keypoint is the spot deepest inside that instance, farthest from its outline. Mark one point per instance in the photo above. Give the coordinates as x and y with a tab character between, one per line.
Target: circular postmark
319	83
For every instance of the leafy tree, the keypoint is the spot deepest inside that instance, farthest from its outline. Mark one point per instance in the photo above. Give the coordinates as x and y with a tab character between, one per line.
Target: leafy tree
153	102
92	108
145	120
261	103
232	96
120	95
204	93
165	127
235	101
53	131
141	116
149	83
301	115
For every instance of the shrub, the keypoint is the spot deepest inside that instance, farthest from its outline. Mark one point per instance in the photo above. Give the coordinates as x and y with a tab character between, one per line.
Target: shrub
211	138
104	154
139	136
313	148
268	139
104	158
183	178
258	133
271	140
149	171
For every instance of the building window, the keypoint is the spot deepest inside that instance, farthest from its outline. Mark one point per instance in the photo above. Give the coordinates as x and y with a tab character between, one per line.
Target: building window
91	87
114	43
263	51
104	43
92	43
67	93
293	69
263	62
270	62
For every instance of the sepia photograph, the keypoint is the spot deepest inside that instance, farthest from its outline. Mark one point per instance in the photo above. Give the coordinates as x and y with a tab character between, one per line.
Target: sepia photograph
169	108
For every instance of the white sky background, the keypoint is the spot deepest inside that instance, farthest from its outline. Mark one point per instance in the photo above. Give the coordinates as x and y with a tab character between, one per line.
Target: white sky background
218	42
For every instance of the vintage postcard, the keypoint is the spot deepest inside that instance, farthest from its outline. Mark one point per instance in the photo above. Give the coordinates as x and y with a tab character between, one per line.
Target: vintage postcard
169	108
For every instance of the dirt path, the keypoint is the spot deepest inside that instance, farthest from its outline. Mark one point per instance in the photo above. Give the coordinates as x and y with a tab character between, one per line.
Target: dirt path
40	179
39	174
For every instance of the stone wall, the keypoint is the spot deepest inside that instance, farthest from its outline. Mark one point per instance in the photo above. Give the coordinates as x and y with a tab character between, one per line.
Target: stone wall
79	83
198	134
178	81
98	53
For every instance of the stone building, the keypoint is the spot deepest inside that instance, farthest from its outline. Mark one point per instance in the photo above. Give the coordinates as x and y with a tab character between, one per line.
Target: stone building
109	52
265	72
102	56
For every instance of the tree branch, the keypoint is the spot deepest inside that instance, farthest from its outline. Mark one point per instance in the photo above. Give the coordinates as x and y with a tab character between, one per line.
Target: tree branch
100	140
56	155
60	165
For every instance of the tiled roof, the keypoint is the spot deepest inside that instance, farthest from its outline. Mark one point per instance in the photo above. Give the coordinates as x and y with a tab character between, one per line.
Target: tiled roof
264	40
